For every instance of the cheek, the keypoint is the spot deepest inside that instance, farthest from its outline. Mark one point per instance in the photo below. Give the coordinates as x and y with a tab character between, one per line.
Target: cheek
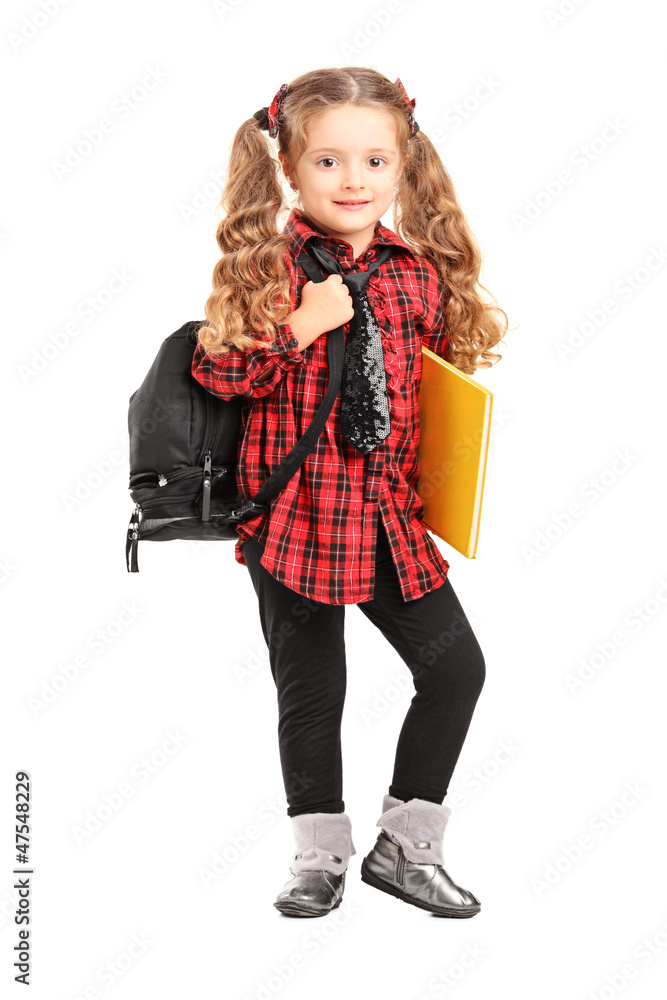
385	186
313	182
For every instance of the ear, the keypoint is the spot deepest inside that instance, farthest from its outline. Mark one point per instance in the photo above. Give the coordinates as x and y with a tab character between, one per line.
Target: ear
400	172
285	165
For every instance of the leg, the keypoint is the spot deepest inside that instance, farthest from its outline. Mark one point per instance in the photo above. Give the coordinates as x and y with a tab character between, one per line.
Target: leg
307	656
434	638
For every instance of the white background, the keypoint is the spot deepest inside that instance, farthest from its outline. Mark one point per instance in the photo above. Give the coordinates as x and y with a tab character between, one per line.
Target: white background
535	91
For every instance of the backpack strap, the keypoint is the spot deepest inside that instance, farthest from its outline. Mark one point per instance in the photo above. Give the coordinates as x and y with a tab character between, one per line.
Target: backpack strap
306	443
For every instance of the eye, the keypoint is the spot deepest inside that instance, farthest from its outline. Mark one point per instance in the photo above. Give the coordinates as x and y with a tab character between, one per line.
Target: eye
378	158
329	158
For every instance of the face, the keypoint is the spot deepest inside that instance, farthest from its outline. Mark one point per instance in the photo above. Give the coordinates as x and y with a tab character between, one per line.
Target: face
346	176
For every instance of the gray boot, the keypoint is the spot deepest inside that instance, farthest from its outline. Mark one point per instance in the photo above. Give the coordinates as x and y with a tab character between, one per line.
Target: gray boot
407	860
323	847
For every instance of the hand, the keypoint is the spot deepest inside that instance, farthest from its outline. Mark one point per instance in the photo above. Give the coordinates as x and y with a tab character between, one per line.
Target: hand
325	305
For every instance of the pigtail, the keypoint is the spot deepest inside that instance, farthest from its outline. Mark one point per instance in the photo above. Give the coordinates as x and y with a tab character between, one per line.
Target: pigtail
427	215
251	281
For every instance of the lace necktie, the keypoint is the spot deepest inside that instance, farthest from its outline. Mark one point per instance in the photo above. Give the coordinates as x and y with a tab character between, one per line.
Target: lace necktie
365	419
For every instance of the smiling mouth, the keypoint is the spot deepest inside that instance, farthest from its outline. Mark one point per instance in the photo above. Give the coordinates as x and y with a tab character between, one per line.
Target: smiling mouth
358	201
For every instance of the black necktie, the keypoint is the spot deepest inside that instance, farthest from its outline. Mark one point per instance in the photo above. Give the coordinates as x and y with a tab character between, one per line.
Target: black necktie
365	419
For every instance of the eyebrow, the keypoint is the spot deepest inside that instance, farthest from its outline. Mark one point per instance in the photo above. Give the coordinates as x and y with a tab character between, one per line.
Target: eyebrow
329	149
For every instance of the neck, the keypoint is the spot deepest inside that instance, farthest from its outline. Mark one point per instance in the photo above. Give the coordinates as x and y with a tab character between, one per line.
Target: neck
358	241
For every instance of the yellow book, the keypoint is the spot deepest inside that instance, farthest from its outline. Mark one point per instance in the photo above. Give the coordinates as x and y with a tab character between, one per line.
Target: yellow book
455	422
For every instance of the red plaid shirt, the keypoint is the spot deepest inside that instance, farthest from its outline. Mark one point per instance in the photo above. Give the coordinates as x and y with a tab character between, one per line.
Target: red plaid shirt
319	533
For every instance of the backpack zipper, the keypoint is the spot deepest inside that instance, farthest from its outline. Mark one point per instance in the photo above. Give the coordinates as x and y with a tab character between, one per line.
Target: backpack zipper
132	540
210	435
213	418
181	498
206	487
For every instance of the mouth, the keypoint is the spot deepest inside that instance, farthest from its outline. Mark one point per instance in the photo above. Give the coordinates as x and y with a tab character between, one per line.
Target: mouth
354	201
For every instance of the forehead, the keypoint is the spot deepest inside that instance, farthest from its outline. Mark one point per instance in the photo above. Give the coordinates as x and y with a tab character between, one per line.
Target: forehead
349	128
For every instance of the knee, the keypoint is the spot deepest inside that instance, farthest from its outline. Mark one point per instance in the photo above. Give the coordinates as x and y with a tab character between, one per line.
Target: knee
471	663
455	665
470	669
477	667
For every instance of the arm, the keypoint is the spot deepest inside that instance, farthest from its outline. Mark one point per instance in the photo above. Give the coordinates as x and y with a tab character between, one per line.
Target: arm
255	372
302	331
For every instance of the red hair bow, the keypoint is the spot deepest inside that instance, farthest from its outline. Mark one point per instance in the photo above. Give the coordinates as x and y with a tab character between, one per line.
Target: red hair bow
274	109
414	127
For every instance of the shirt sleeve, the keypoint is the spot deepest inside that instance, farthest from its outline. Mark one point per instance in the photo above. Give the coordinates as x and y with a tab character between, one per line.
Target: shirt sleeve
435	335
243	372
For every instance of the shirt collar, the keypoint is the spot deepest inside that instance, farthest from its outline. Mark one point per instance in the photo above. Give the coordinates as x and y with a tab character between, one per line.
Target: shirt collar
301	229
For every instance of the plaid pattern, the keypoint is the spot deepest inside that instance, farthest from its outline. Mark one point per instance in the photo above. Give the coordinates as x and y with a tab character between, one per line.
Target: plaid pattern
319	536
274	111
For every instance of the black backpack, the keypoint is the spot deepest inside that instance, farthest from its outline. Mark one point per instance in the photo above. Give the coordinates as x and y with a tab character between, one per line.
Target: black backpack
184	445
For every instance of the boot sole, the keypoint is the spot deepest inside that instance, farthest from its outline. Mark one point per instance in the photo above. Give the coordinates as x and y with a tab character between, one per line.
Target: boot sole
294	910
378	883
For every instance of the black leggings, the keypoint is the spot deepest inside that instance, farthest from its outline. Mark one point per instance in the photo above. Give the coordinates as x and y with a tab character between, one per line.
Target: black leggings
306	646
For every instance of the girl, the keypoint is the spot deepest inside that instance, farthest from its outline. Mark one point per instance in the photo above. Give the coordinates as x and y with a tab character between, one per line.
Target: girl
348	528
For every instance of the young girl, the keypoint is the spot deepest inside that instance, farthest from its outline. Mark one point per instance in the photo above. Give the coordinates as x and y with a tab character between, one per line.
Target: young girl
348	527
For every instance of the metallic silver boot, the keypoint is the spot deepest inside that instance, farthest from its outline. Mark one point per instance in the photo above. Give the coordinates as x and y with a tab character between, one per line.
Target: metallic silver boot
324	845
407	860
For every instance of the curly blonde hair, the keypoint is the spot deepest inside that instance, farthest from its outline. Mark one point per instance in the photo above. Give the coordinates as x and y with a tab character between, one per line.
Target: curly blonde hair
250	298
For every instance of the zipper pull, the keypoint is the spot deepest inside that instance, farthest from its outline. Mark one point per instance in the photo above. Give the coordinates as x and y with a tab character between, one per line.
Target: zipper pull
206	499
132	540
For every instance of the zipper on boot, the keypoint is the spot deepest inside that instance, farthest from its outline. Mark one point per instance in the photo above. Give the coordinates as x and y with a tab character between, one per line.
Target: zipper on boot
400	866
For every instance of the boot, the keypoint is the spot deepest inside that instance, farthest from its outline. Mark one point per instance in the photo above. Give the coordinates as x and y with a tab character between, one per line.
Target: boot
407	859
323	843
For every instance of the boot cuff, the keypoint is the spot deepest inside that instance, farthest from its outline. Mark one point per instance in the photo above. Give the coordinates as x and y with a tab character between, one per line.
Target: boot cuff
322	841
418	826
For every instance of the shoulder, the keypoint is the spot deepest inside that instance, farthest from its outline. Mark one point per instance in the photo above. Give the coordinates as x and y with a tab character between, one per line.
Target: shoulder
430	278
416	273
405	256
408	260
430	288
425	269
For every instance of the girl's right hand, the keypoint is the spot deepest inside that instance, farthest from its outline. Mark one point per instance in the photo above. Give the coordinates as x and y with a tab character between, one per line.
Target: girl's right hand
325	305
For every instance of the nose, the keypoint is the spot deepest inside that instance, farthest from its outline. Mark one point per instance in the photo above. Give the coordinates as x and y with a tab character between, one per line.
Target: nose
353	177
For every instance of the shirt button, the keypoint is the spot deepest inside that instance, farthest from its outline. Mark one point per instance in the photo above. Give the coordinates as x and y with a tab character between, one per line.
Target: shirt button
294	342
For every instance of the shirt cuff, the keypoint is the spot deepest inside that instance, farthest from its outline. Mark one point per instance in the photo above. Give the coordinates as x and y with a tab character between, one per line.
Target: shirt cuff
285	348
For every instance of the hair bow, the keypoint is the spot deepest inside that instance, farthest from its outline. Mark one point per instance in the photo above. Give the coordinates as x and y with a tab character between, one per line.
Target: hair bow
414	127
268	116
